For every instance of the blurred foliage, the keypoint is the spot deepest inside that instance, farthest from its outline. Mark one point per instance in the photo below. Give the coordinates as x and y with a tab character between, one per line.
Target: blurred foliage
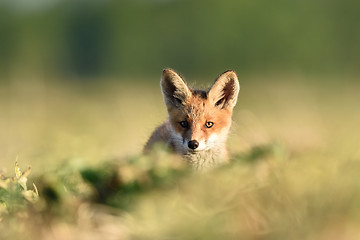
127	37
266	197
116	183
120	188
268	200
14	194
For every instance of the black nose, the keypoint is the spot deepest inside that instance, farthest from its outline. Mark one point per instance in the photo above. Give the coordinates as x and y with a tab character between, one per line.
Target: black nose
193	144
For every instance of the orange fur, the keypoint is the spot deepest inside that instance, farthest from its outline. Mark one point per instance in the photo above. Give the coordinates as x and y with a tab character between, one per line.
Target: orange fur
201	146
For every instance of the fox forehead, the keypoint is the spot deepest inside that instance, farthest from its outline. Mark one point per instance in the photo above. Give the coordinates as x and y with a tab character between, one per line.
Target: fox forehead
197	111
194	110
197	108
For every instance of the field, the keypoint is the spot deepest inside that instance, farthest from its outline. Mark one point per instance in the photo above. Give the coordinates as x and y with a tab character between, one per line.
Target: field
294	172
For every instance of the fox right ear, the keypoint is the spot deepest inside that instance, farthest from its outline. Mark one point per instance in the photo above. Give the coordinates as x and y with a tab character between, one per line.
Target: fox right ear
174	88
224	92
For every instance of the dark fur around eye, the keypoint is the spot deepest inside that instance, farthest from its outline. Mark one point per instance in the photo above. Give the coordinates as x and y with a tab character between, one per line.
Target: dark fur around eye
209	124
184	124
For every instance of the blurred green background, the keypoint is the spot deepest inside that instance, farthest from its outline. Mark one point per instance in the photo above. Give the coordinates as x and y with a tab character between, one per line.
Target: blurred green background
138	37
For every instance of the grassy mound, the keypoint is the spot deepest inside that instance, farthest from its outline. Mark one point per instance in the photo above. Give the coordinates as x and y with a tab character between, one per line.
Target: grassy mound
264	194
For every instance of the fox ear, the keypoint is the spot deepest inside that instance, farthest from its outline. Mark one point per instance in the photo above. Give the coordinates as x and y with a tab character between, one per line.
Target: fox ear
224	92
174	88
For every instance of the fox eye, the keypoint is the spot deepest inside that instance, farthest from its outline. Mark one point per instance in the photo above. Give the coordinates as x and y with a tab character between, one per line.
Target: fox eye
209	124
184	124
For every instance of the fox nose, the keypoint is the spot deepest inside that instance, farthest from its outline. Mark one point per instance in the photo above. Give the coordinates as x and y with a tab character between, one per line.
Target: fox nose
193	144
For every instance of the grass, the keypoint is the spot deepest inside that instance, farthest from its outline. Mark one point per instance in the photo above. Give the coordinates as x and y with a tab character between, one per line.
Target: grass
293	174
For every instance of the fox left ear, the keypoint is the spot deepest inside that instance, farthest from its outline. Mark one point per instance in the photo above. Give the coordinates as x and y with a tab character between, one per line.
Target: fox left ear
175	90
224	92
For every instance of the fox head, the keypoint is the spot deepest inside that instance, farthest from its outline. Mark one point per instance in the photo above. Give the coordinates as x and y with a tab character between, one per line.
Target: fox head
200	120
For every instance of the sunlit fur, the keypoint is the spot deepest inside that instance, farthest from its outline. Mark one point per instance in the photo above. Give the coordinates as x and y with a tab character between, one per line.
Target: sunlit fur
197	107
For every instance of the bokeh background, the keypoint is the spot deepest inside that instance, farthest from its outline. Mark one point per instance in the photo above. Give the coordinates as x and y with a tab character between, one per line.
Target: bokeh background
80	95
117	38
80	79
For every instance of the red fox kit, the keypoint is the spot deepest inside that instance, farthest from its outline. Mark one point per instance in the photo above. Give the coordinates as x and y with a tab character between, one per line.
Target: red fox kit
199	121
